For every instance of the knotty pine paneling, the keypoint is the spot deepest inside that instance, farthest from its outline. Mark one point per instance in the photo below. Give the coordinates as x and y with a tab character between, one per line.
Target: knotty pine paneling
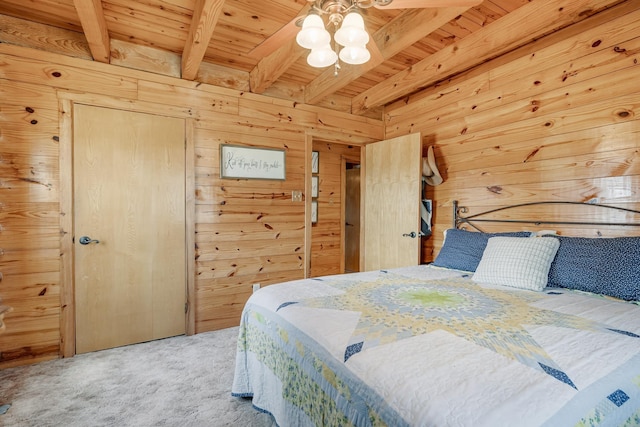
246	231
555	120
234	293
29	223
75	79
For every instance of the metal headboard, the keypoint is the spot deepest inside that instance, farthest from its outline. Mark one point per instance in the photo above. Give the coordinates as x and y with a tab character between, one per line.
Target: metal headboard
459	220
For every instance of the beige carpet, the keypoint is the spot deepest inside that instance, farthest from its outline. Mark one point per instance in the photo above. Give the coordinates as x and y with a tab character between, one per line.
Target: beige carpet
180	381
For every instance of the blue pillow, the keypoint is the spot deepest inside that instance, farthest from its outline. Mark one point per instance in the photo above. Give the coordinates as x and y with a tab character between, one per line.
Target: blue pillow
462	250
607	266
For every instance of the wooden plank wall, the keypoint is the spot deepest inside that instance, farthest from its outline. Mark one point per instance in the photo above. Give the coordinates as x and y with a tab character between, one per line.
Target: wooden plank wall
555	120
247	231
327	256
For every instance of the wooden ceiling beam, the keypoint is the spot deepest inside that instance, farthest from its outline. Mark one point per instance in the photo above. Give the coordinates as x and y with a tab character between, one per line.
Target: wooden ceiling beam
523	25
271	67
203	23
403	31
95	28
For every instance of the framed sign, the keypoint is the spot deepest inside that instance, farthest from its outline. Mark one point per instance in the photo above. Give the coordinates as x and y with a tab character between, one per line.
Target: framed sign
314	212
315	162
314	186
251	162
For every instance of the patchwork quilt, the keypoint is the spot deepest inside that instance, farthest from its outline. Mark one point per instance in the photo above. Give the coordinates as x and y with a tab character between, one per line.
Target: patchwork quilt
426	346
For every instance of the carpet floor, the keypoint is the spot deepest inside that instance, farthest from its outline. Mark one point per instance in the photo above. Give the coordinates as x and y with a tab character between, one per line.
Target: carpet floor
179	381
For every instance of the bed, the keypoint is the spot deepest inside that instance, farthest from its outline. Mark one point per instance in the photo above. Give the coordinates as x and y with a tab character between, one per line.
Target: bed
503	329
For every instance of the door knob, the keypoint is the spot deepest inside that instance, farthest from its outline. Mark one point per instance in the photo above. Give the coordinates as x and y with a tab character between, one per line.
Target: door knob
85	240
412	235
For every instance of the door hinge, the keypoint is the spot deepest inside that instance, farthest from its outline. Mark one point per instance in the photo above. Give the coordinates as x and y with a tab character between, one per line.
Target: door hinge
186	307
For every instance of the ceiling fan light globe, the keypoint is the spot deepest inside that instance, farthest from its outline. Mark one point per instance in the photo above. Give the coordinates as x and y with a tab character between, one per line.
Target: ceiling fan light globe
352	32
322	57
313	34
355	55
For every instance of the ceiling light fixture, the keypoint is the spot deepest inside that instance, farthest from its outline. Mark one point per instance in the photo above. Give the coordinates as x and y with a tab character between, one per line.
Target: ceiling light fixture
351	35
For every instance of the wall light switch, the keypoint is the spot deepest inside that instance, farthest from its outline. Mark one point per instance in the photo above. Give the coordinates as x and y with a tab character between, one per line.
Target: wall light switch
296	196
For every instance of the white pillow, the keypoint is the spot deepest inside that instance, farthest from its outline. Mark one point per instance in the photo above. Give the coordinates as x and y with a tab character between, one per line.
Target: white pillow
517	262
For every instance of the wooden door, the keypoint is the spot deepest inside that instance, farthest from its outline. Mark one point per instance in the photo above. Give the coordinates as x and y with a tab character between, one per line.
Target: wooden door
391	191
352	221
129	196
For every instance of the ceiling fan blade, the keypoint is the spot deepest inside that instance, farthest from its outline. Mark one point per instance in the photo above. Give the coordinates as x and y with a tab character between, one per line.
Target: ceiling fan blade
280	37
419	4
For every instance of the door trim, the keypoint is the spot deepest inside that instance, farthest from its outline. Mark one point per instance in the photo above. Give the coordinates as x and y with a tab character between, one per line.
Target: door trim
67	281
308	148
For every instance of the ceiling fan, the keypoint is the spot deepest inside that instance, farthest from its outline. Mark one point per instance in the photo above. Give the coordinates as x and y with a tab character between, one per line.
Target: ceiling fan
413	4
289	31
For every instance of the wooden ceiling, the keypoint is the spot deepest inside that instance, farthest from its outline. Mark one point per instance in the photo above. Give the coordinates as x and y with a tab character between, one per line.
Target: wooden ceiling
250	45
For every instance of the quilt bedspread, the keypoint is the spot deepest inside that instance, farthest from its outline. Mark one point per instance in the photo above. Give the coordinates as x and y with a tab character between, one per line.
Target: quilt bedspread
425	346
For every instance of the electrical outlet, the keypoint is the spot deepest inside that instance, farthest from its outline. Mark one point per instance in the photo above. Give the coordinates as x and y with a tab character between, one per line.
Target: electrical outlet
256	286
296	196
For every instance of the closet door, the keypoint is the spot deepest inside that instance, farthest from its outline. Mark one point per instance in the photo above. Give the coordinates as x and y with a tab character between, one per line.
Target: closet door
391	203
129	227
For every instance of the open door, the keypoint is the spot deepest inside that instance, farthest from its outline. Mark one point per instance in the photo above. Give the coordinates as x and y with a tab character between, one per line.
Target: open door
391	193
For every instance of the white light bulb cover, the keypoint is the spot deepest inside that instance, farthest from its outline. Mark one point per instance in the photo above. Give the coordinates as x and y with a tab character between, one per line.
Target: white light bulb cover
313	34
322	57
355	55
352	32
